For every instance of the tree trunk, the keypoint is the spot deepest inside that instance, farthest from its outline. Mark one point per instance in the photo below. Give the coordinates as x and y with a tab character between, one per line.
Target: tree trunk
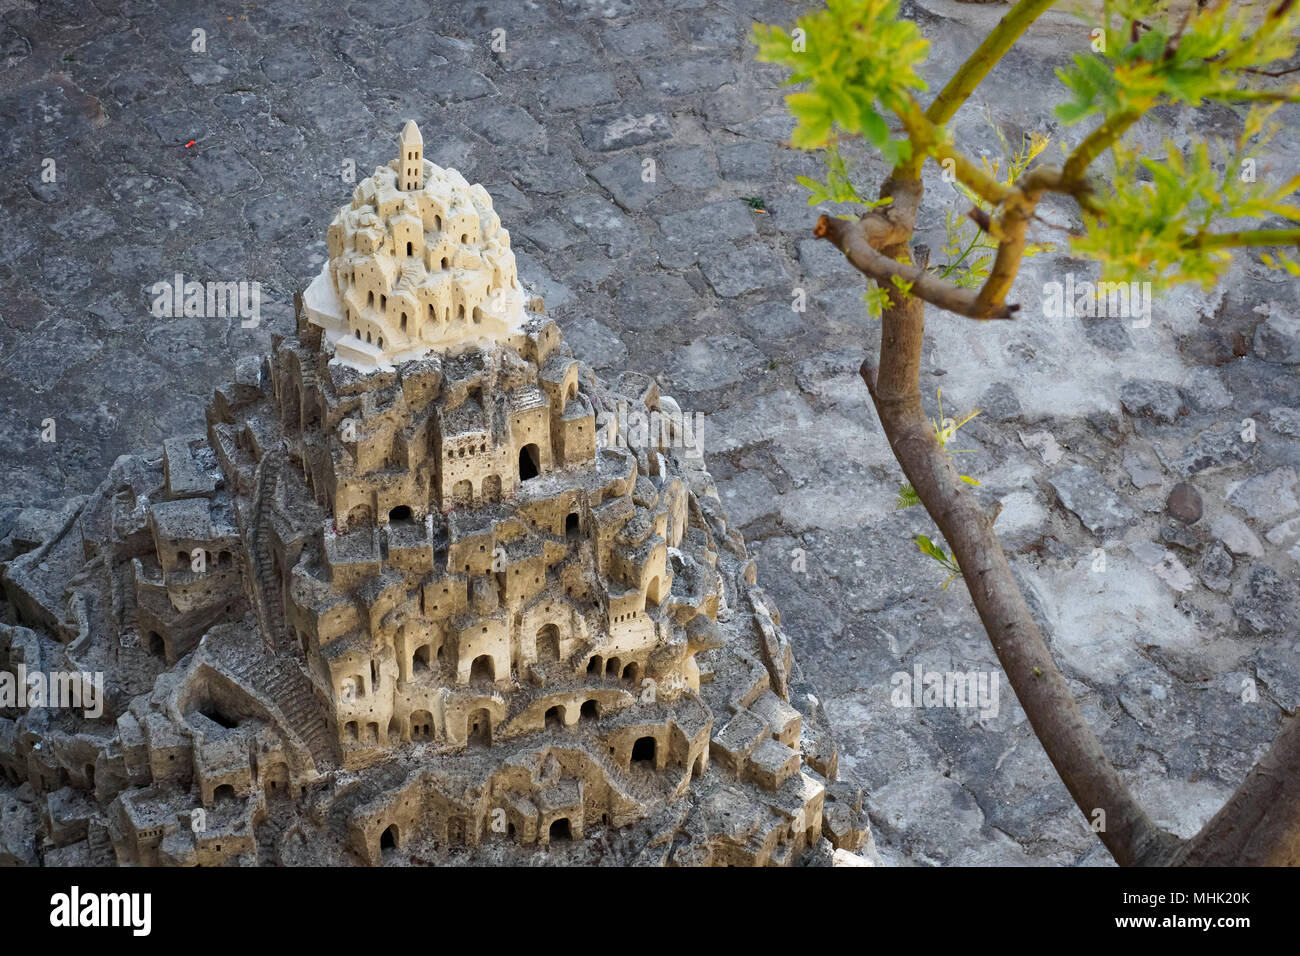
1041	689
1260	824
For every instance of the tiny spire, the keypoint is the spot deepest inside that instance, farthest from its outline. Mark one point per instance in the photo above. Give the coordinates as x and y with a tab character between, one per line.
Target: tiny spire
410	160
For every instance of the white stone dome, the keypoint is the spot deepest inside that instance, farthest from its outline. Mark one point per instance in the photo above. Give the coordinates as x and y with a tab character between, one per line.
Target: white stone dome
418	261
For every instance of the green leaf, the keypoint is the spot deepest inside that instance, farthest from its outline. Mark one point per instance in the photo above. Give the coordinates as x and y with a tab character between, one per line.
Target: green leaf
907	497
875	128
929	547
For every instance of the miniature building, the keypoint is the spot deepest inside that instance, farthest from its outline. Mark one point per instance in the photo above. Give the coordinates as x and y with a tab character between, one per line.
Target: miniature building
409	594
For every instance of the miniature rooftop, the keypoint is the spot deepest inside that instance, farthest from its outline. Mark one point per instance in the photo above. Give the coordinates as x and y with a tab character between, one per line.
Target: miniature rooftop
418	262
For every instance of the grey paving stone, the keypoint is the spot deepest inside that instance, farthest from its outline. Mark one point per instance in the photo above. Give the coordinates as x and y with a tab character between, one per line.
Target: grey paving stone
551	171
747	161
683	77
639	38
1084	491
656	300
534	52
819	259
685	235
633	180
594	343
574	92
693	167
1267	498
456	84
710	363
623	130
733	272
503	123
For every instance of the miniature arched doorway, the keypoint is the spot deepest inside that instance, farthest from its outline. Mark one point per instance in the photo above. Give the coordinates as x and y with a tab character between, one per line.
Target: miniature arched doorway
529	462
155	645
359	516
548	643
483	668
462	492
572	525
401	514
555	717
643	753
478	729
276	783
390	838
561	830
492	488
652	591
421	725
590	711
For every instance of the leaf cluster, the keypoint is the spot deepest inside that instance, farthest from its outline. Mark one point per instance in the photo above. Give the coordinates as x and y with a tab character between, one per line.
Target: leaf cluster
1154	222
853	57
1155	51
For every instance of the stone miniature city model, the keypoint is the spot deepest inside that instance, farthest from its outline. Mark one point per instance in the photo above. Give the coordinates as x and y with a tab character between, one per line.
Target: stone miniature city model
427	590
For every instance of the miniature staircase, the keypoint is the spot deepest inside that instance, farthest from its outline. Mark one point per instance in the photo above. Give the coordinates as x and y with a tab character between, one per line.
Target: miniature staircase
285	684
266	591
100	845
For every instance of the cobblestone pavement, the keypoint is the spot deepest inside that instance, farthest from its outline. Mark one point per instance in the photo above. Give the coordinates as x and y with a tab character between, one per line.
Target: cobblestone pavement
228	164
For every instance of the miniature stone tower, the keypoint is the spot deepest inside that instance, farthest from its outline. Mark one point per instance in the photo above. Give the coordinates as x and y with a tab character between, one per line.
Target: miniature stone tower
412	157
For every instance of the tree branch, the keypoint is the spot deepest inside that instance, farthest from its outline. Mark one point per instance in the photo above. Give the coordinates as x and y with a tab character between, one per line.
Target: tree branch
1260	823
850	237
986	56
1256	96
928	139
1248	237
1094	144
1012	226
